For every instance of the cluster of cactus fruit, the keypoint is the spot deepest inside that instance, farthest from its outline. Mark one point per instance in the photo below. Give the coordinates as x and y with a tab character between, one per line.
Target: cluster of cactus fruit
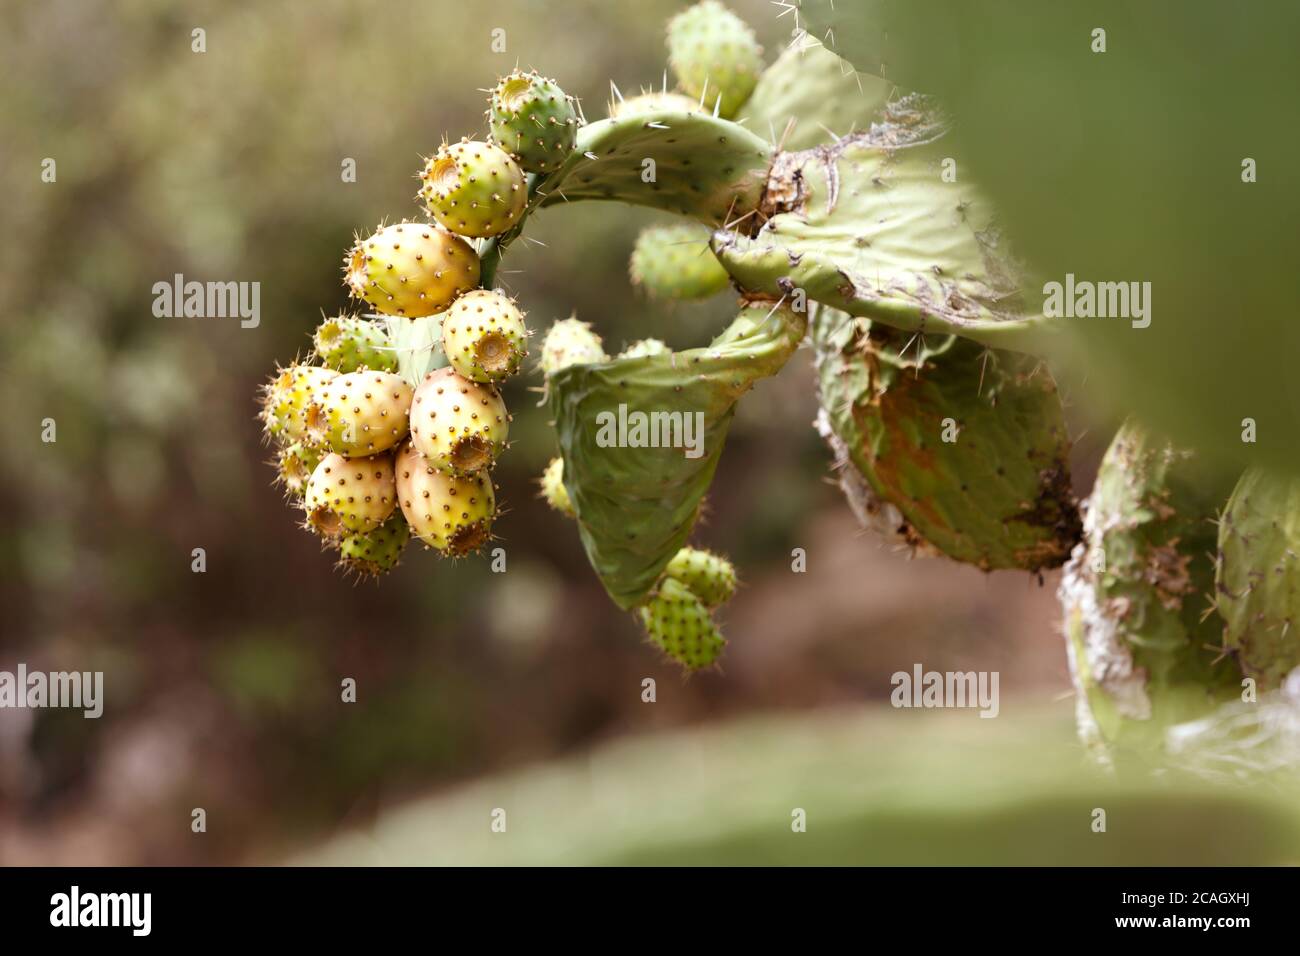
944	421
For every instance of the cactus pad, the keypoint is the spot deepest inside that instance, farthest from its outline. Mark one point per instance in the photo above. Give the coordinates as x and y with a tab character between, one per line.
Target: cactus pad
714	55
675	262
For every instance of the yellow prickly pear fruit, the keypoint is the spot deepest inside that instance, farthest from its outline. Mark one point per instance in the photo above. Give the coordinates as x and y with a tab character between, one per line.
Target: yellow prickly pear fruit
350	494
451	515
411	269
459	425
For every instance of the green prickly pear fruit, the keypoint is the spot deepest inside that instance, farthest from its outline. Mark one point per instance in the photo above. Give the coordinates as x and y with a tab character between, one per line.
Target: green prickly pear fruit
679	623
533	120
714	55
710	577
360	413
570	342
347	343
474	189
451	515
675	262
968	444
294	466
411	269
484	336
1143	653
376	552
646	104
1258	579
287	397
458	425
553	490
350	494
643	348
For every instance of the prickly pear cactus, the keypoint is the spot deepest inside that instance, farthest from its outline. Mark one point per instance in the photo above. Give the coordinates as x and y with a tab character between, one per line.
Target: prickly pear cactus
533	120
1144	646
347	343
714	55
459	426
360	413
710	577
374	553
1258	580
474	189
484	336
675	262
679	624
411	269
968	444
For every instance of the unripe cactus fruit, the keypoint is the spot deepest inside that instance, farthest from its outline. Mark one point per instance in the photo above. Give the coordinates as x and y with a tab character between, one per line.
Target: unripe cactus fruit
286	398
643	348
376	552
533	120
710	577
350	494
570	342
1258	575
294	466
347	343
484	336
474	189
360	413
713	53
553	490
451	515
646	103
458	425
679	623
675	262
411	269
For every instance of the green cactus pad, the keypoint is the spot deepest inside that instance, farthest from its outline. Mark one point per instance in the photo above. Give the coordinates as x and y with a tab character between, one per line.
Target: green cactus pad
360	413
868	226
636	505
347	343
287	397
375	552
710	577
1259	575
809	96
714	55
410	269
484	336
1144	651
533	120
458	425
679	624
350	495
675	262
474	189
704	168
553	490
451	515
644	347
652	102
998	496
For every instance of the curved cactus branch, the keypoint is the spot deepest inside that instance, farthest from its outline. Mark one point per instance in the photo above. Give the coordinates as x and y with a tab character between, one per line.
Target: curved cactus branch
636	505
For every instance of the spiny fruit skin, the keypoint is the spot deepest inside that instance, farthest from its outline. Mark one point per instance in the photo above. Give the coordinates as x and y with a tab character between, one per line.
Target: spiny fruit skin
360	413
294	466
679	623
286	398
710	577
347	343
713	52
458	425
1258	575
484	336
451	515
675	262
411	269
376	552
648	103
533	120
644	348
350	494
553	490
570	342
474	189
